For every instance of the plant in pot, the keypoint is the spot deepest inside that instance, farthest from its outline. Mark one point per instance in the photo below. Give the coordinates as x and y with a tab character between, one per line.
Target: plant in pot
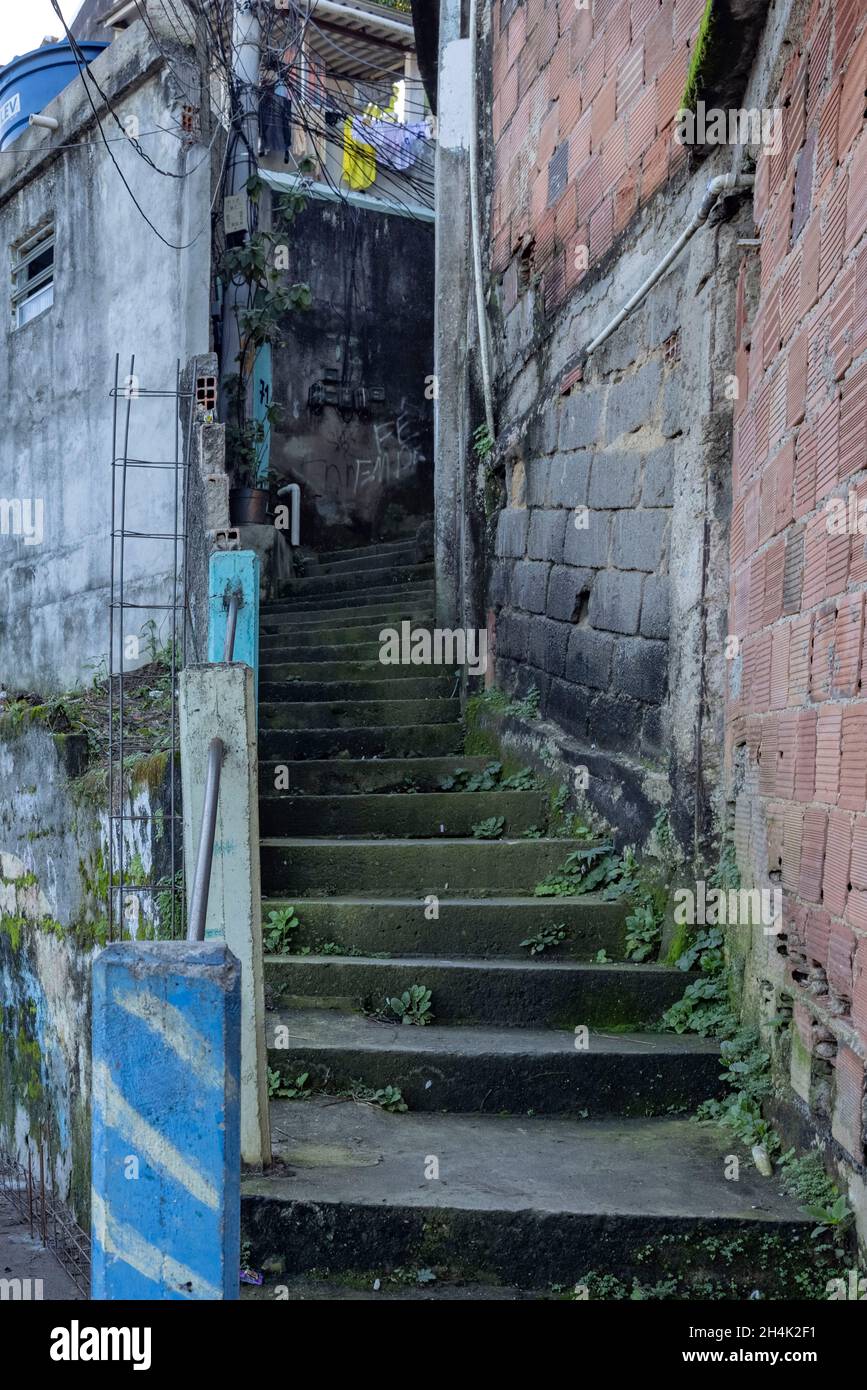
257	265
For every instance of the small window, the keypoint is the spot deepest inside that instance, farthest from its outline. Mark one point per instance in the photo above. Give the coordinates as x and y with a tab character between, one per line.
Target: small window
33	277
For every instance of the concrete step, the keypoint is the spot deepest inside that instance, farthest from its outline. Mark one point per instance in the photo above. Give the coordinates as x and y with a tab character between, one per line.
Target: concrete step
352	714
477	868
465	926
386	1288
506	993
379	686
371	559
367	774
404	595
400	814
383	548
476	1069
430	740
529	1202
391	576
363	615
304	670
323	634
284	652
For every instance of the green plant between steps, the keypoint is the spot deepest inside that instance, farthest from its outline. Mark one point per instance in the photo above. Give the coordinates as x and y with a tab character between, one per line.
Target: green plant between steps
490	829
278	930
388	1098
413	1006
297	1089
546	939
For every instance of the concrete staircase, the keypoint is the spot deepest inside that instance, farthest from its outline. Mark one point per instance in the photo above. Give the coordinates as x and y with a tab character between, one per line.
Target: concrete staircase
553	1161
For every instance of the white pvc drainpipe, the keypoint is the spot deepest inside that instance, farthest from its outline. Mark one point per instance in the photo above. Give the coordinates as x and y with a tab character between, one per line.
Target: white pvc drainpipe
723	183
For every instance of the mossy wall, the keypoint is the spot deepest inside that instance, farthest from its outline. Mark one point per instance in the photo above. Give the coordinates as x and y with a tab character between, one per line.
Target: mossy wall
53	922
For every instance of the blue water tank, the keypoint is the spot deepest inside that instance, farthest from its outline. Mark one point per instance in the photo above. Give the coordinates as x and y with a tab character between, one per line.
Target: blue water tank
30	82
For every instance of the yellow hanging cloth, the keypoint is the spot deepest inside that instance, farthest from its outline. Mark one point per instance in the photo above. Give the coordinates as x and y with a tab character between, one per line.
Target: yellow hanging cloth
359	159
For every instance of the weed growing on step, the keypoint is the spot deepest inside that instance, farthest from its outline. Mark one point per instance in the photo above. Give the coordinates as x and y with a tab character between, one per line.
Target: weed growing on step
705	1008
388	1098
490	829
292	1090
496	700
643	932
414	1006
278	930
590	868
546	939
490	779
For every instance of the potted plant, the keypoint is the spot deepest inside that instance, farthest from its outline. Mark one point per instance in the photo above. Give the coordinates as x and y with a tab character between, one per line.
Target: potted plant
250	492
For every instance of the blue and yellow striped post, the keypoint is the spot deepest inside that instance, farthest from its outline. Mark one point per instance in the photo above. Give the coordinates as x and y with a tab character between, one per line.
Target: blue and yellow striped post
166	1123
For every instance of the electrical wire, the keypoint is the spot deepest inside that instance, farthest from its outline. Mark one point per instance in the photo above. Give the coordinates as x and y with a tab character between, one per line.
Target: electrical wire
76	53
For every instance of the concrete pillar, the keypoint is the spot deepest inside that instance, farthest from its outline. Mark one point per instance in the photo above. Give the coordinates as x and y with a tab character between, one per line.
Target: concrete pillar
453	288
234	572
166	1165
218	700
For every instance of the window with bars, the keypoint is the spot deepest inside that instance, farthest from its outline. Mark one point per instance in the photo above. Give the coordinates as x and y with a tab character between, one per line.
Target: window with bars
33	276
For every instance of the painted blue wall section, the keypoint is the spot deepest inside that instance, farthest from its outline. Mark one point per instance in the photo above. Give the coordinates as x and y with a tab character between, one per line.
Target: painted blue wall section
230	572
166	1054
262	396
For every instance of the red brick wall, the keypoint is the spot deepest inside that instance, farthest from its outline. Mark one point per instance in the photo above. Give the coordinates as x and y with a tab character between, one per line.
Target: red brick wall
797	591
593	92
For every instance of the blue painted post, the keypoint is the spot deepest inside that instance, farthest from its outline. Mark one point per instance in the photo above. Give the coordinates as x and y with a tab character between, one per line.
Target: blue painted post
166	1121
234	572
262	391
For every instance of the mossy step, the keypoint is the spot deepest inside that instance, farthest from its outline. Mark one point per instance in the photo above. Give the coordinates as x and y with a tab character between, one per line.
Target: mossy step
281	654
372	559
300	642
390	615
379	1287
429	740
509	993
391	576
403	814
384	548
353	714
385	868
464	926
303	670
382	685
365	774
405	594
531	1203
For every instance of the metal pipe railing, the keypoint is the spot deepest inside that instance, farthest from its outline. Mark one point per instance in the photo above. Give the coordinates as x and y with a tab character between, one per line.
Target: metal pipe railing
205	855
231	625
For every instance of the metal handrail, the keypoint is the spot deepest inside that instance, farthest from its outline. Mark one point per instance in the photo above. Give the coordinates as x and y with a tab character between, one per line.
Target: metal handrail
231	624
205	854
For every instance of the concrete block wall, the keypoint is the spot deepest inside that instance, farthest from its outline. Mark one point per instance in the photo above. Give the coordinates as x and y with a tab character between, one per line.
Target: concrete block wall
580	575
797	716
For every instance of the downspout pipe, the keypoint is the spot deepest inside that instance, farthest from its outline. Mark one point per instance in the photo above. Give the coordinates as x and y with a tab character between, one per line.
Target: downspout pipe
475	223
723	183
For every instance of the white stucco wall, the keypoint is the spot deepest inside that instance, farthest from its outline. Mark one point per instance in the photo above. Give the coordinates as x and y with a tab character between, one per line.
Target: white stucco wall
117	289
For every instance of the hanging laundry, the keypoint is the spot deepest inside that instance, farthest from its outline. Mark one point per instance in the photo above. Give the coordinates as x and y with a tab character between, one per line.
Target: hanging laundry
359	158
396	146
275	122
